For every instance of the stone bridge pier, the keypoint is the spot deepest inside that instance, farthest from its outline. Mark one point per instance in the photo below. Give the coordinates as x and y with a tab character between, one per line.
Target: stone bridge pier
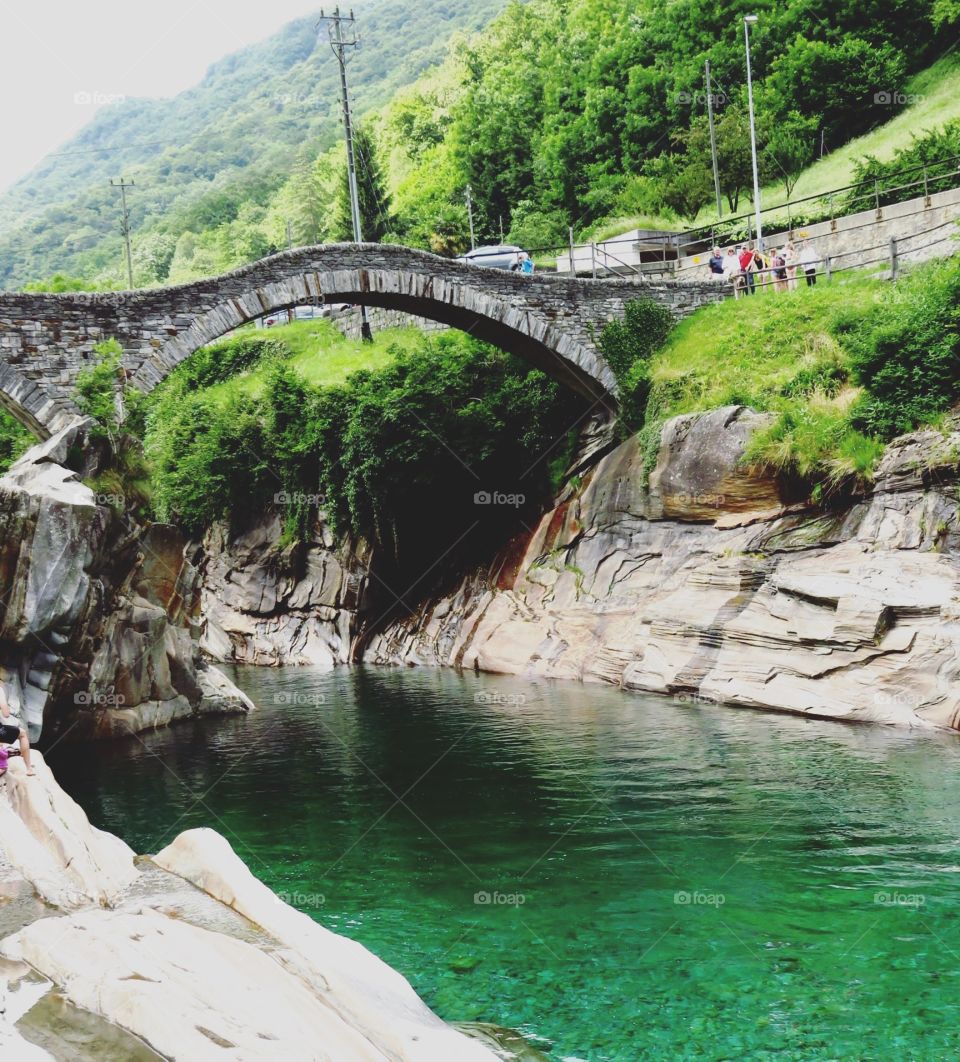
554	322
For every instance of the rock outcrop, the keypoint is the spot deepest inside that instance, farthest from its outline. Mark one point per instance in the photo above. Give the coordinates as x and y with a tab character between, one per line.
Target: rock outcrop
98	615
707	582
262	604
228	971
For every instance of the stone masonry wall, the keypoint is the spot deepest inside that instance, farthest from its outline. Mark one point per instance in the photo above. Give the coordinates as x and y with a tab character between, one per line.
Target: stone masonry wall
47	339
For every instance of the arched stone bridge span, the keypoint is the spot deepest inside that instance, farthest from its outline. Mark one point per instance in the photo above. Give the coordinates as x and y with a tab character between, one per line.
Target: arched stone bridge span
553	322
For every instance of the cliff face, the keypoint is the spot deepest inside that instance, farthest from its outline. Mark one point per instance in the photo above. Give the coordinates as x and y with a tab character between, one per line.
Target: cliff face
266	605
706	584
98	615
701	578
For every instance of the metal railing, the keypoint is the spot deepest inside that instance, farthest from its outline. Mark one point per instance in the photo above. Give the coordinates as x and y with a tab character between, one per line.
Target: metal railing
598	257
784	278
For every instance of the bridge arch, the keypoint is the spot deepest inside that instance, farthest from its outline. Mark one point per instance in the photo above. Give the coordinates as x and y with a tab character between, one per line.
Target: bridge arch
533	320
31	404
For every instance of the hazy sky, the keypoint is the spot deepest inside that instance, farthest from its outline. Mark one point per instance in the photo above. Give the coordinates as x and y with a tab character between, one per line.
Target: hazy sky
62	59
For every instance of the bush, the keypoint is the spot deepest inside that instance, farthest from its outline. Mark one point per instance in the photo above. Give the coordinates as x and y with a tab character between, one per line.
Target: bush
906	353
628	346
220	361
398	454
97	391
930	148
14	440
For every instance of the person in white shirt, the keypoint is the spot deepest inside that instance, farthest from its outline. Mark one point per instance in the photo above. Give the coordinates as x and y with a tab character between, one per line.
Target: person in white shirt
808	262
731	270
11	730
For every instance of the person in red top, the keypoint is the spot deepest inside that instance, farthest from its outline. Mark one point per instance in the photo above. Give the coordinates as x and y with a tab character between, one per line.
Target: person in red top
748	266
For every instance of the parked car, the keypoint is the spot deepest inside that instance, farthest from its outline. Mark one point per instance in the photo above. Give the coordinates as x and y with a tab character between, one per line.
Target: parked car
498	256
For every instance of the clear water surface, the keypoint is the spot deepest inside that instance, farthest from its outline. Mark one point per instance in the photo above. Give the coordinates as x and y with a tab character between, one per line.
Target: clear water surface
618	876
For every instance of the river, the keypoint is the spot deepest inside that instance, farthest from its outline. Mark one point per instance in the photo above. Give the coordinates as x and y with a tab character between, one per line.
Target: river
617	876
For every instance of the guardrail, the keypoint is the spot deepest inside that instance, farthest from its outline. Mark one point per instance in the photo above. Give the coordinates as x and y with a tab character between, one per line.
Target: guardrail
777	279
604	257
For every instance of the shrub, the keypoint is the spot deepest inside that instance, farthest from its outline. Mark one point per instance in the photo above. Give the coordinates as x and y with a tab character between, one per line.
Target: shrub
14	440
398	454
628	346
906	353
97	391
220	361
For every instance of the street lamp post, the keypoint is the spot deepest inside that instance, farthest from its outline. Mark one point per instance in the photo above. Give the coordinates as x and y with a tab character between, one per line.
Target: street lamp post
747	20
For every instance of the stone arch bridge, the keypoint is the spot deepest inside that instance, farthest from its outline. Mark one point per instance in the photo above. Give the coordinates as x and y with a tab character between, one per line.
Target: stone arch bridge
553	322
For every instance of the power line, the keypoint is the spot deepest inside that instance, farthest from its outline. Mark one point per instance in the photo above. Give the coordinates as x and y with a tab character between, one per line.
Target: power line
96	151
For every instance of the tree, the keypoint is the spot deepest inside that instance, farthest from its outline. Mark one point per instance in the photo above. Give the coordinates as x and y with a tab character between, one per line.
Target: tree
946	12
375	217
152	257
790	147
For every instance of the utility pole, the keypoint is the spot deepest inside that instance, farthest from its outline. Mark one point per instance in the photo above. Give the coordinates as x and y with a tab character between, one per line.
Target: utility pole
713	143
748	21
468	199
123	185
290	310
339	43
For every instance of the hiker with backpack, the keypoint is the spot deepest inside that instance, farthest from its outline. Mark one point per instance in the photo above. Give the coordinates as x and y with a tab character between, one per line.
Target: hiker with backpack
11	730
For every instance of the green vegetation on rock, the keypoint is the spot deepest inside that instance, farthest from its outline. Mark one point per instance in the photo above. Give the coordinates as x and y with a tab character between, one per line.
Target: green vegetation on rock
403	453
845	366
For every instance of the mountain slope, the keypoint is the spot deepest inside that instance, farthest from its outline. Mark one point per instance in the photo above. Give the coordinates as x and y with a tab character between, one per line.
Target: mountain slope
242	125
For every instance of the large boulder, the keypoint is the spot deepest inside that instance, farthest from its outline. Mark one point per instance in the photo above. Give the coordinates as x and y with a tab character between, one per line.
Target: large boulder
188	992
368	995
192	955
48	838
99	621
700	471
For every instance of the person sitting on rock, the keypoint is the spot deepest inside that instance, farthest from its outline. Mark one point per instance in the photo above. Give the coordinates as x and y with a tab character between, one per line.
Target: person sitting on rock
11	730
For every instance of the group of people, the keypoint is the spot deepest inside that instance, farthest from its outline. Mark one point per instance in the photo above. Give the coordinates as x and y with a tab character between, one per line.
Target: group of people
746	267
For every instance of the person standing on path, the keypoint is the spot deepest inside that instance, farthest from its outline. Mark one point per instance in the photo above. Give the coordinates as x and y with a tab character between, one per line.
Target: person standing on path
790	255
747	268
808	262
731	270
11	730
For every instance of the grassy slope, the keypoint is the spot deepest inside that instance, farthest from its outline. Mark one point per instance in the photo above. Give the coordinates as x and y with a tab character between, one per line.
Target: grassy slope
938	89
747	350
751	350
322	356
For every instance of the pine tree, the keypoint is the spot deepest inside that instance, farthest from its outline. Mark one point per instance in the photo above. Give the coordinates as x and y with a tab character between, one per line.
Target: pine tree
375	219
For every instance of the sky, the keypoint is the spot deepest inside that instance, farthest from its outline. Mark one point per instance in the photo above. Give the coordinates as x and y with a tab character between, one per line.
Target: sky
60	60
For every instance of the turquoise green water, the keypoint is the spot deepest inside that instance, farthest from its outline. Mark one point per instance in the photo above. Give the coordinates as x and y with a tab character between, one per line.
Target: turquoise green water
665	881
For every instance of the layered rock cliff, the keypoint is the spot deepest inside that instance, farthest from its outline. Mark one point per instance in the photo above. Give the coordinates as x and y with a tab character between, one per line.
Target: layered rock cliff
703	580
98	613
698	576
262	604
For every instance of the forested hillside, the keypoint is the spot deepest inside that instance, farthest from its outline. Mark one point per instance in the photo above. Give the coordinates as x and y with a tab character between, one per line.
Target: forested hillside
559	113
214	151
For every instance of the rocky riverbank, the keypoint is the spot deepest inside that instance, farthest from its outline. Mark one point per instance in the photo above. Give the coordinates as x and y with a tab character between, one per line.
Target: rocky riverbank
706	581
99	613
180	955
682	571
